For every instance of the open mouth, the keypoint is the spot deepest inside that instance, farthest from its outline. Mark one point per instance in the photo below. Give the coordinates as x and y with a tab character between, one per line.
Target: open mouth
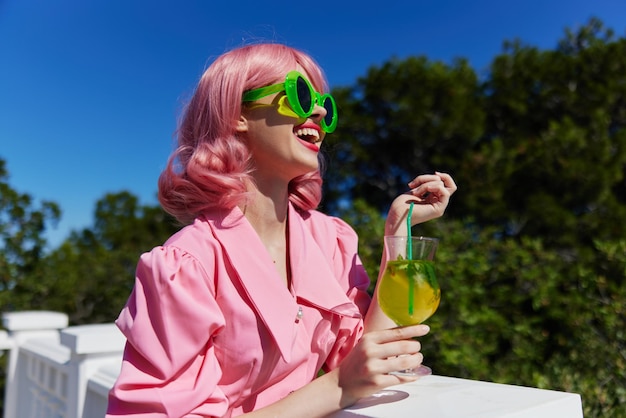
308	135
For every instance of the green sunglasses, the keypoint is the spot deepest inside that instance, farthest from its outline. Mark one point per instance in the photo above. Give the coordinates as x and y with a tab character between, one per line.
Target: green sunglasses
301	97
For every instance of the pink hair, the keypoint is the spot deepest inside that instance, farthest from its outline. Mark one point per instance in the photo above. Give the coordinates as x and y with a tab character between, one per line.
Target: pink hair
210	167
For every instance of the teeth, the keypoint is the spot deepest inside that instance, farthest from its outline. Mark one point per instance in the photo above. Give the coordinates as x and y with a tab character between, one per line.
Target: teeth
308	134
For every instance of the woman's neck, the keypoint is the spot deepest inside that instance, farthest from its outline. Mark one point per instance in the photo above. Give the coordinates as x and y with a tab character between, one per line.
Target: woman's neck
267	211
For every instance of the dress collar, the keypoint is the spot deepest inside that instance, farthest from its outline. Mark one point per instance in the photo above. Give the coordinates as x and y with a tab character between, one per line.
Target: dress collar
313	280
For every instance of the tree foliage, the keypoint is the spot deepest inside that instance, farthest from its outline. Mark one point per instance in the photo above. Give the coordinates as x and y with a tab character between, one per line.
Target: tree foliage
404	118
514	311
22	243
90	275
532	260
557	122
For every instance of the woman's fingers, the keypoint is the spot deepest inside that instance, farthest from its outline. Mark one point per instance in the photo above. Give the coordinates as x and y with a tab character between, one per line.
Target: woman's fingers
396	341
369	366
446	181
400	333
439	185
407	362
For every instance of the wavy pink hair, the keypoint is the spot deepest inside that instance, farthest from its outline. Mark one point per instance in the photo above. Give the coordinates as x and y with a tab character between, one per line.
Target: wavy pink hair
211	165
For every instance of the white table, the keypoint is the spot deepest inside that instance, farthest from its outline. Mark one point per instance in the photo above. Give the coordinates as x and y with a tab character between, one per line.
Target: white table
439	396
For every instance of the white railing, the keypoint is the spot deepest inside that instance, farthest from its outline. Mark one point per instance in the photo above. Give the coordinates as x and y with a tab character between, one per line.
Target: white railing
56	371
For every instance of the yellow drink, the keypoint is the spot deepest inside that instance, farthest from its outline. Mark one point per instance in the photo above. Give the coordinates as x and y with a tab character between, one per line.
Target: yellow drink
409	293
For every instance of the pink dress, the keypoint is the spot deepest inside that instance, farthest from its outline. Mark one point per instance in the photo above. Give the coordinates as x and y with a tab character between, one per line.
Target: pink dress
213	331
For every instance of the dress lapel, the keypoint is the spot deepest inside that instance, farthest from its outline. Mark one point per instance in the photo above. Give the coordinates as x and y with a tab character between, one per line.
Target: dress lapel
266	292
313	278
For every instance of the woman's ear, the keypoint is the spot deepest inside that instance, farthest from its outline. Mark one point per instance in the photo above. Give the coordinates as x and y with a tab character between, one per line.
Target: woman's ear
241	125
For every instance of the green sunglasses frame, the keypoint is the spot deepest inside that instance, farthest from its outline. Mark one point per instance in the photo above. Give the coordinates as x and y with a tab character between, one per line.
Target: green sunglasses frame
290	87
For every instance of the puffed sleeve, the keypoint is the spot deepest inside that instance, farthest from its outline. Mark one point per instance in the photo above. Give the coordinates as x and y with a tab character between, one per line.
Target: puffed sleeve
354	279
169	367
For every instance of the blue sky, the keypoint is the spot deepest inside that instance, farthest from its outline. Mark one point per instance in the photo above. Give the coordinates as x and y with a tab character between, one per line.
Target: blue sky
90	90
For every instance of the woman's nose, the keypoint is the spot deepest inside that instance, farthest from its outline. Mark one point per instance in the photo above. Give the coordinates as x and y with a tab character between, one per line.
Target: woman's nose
319	112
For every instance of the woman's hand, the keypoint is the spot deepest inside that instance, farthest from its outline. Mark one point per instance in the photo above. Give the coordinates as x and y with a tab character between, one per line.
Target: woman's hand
366	369
431	195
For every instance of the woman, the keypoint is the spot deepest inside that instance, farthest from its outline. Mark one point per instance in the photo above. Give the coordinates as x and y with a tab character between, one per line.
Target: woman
237	313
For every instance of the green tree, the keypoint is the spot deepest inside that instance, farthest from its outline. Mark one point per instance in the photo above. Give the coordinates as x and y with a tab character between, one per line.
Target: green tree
404	118
22	244
91	274
514	311
22	240
532	259
551	162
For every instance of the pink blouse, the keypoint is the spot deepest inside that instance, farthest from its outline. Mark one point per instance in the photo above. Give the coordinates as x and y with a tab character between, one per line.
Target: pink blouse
213	331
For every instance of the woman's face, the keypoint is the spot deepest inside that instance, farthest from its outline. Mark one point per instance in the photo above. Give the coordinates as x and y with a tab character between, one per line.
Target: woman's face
281	146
